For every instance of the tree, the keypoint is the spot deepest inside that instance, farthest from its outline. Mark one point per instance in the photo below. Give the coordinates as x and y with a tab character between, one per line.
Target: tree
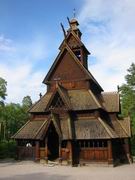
27	102
3	90
128	95
14	116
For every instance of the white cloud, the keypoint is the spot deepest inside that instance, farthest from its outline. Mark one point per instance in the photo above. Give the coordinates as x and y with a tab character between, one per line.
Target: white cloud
6	44
110	36
18	67
21	82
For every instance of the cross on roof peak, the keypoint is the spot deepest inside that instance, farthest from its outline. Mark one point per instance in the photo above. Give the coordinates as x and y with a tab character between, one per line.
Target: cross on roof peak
74	13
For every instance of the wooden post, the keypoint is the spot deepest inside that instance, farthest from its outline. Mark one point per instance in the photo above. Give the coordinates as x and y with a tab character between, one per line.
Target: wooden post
69	146
128	150
46	150
37	153
110	155
60	153
17	150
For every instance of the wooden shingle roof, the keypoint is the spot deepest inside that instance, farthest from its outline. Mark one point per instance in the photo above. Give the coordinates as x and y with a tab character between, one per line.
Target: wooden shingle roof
33	129
93	129
111	101
83	100
126	125
120	129
65	129
41	104
74	100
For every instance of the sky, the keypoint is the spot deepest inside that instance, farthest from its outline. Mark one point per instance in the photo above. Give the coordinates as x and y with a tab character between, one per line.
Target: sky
30	35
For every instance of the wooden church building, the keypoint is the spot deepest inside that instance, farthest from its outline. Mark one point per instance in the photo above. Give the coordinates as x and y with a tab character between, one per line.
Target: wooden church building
75	121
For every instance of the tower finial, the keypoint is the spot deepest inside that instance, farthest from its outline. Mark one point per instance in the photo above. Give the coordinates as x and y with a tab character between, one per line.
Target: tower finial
74	13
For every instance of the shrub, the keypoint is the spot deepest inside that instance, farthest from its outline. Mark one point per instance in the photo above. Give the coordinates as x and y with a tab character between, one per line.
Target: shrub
7	149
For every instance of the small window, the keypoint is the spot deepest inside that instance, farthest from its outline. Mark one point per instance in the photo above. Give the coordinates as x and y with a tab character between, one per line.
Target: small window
78	54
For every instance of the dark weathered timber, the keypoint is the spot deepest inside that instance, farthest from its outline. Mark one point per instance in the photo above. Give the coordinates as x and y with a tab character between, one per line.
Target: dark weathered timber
75	121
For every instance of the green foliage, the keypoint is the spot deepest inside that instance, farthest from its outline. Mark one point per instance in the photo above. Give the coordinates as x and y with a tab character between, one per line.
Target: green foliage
13	116
7	149
128	100
3	90
128	95
27	102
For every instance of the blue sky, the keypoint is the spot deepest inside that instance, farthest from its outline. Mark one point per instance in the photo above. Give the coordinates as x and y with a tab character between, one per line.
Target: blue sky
30	35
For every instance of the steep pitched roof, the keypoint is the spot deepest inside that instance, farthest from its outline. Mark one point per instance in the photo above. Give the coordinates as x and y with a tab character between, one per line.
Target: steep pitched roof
119	128
83	100
126	125
57	60
73	99
111	101
37	128
63	94
67	48
65	129
93	128
33	129
41	104
76	37
56	121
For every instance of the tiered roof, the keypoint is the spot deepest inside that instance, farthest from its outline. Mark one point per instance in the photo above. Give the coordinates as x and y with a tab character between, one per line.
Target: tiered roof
73	100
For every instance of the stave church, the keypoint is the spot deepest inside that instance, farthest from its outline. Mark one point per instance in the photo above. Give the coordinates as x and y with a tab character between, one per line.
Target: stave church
75	121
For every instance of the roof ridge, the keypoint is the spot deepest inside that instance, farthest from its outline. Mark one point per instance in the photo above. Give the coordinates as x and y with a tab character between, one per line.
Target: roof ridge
54	63
60	89
45	121
95	99
76	60
83	68
76	37
106	128
61	95
56	124
110	92
122	127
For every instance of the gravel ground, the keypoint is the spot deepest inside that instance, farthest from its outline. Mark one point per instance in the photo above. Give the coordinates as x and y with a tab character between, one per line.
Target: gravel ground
27	170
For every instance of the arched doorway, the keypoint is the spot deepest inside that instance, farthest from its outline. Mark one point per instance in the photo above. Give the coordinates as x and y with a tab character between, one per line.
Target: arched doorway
53	143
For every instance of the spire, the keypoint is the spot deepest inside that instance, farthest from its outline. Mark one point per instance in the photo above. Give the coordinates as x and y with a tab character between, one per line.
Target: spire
74	12
73	23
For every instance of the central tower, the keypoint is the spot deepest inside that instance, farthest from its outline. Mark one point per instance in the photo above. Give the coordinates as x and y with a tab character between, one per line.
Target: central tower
70	68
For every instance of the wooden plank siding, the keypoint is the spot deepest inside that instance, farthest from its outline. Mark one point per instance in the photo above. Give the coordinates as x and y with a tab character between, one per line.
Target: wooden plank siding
94	154
26	152
42	153
65	153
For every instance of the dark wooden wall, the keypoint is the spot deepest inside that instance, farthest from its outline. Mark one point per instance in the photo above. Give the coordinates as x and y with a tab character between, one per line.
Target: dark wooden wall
69	74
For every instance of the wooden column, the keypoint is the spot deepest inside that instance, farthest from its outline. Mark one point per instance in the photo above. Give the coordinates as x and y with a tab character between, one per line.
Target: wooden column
127	149
17	150
110	155
46	150
69	146
60	153
37	151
